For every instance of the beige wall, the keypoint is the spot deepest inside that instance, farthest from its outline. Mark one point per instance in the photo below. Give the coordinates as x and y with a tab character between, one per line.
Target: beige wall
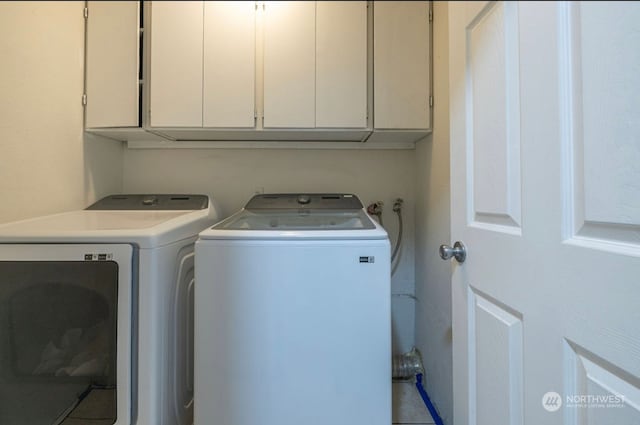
45	165
433	276
232	177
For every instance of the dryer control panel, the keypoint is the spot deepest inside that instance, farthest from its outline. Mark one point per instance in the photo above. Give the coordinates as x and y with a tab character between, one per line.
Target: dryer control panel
151	202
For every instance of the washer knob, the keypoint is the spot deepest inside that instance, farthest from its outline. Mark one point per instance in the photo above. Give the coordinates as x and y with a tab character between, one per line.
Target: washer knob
304	199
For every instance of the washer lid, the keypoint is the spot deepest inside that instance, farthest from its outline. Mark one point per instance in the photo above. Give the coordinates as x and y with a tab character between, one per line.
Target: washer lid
280	220
297	224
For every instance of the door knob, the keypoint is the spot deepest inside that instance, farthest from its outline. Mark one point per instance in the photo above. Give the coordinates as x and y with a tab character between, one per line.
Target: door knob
459	252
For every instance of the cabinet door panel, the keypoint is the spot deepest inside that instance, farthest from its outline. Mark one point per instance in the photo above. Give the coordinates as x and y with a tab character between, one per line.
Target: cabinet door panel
341	64
289	64
229	63
176	63
401	64
112	64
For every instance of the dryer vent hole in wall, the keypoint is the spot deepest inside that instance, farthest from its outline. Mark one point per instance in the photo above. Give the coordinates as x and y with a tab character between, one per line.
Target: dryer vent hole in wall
407	365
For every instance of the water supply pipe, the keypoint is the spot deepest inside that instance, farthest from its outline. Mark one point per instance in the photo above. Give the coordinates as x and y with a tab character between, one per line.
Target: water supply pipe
427	401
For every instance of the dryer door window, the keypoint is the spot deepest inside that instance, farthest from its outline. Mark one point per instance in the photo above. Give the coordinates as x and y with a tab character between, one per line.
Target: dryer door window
58	342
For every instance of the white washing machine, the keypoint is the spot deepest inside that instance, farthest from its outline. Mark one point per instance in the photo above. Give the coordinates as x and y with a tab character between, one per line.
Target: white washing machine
96	313
293	320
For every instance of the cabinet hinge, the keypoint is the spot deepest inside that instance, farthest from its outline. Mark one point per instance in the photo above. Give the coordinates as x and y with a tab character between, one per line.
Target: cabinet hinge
431	101
430	15
84	99
86	13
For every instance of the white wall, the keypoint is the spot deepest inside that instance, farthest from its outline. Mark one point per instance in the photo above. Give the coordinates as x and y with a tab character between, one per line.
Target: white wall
233	176
45	165
433	276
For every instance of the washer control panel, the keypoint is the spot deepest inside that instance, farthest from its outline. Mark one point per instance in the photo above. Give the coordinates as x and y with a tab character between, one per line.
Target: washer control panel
322	201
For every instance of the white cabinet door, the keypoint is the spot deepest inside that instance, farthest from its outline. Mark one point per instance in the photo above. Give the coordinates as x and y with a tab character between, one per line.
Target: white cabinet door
289	64
203	64
229	64
341	64
401	65
112	64
176	63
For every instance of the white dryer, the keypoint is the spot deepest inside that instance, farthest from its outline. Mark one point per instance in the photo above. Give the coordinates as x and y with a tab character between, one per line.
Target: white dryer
96	313
292	315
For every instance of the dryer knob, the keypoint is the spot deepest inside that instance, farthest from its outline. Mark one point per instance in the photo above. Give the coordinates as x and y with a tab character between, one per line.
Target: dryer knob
149	201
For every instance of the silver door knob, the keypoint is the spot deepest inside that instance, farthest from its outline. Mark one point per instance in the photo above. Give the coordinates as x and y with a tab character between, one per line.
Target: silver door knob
459	252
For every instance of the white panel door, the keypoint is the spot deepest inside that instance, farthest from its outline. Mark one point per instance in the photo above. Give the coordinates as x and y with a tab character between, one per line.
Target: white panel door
546	197
176	63
112	64
341	64
401	64
229	64
289	64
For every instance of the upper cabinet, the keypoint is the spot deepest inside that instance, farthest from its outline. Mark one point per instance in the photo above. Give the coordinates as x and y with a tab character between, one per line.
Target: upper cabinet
315	64
289	64
176	64
341	64
202	64
112	65
268	70
401	71
204	69
229	64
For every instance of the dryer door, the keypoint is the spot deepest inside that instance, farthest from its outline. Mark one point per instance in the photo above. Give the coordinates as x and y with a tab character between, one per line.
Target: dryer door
65	334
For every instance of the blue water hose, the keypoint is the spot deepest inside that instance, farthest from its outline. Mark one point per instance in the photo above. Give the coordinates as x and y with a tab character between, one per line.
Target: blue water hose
427	401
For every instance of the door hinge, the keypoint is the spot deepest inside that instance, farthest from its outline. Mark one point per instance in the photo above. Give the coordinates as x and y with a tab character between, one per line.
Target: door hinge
84	99
431	101
86	13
